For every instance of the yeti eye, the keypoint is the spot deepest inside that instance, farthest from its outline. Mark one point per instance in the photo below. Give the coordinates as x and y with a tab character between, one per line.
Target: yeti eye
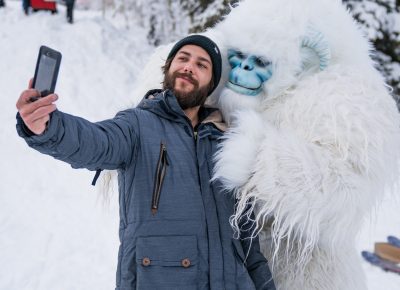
261	62
240	55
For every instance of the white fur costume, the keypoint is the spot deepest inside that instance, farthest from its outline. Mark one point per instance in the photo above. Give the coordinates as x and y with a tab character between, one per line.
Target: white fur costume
315	151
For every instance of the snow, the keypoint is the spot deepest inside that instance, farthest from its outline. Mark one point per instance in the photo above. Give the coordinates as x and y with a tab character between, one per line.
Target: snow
56	230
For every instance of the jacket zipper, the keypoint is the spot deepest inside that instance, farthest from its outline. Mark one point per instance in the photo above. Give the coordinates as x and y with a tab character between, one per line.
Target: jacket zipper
160	174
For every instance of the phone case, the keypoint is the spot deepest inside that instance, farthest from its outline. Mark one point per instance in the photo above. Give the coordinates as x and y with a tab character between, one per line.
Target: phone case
46	71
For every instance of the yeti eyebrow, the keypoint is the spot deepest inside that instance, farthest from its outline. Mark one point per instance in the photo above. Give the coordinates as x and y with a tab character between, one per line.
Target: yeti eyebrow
199	58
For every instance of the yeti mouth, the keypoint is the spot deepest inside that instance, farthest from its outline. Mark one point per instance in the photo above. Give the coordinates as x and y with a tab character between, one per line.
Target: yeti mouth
237	85
243	90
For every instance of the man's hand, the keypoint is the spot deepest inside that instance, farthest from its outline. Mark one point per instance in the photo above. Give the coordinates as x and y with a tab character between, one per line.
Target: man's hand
35	114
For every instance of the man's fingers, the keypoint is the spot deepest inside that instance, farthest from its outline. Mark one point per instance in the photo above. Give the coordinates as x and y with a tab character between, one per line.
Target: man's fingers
39	126
40	113
43	111
30	83
44	101
35	114
42	121
30	107
26	97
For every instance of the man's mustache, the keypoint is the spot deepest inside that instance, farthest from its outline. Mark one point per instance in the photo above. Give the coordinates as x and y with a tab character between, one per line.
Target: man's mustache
185	76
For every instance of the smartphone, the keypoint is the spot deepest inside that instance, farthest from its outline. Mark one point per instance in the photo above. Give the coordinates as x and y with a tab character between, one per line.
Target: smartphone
46	71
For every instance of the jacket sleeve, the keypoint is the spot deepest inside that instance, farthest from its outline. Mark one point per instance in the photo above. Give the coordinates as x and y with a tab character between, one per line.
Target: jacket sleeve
256	263
104	145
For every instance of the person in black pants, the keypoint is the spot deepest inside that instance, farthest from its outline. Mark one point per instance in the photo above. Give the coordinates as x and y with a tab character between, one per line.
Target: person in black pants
25	6
2	3
70	9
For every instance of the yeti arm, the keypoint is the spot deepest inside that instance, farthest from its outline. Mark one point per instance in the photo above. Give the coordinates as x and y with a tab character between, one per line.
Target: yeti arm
302	185
319	165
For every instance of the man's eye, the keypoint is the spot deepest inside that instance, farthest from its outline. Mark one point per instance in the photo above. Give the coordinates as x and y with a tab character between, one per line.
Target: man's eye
201	65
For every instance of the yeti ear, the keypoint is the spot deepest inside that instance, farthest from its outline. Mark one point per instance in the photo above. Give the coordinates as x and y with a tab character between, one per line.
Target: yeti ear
315	49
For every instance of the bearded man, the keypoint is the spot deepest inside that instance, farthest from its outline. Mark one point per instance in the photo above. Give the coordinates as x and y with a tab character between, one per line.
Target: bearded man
174	223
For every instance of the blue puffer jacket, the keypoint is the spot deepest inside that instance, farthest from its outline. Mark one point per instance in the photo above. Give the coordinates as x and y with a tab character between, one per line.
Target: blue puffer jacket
174	223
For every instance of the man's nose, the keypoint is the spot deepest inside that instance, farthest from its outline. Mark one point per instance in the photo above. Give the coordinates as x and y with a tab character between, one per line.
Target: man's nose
188	67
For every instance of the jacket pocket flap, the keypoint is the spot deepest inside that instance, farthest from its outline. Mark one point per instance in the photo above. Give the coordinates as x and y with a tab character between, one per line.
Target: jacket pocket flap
167	250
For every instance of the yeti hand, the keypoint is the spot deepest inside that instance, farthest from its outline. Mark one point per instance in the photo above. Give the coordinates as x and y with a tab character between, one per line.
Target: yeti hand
236	157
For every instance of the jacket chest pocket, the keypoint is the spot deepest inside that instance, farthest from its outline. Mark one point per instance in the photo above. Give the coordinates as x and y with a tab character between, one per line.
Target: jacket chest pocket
159	178
166	262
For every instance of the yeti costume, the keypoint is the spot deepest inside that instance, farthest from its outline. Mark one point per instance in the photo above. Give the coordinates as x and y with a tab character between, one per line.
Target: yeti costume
314	148
314	151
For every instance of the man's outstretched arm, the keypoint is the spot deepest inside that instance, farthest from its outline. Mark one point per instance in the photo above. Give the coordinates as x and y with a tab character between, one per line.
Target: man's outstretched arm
104	145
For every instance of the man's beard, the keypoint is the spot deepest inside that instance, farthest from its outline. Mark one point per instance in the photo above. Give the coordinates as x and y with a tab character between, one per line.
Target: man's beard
196	97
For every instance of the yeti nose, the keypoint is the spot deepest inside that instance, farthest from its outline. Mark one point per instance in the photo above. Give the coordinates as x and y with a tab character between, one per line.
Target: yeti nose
247	64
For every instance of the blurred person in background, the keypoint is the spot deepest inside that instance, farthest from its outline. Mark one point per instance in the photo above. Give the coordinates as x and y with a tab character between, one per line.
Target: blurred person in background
25	6
70	10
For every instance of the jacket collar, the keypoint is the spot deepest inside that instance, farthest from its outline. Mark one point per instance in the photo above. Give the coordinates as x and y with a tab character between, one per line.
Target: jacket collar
212	116
165	104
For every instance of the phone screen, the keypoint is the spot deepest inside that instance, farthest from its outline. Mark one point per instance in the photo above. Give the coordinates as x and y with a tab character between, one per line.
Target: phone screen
47	66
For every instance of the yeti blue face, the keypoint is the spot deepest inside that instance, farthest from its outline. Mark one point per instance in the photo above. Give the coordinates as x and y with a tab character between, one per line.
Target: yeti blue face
248	72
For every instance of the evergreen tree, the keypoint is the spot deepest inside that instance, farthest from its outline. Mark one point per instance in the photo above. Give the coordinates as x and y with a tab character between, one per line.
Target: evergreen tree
206	13
168	20
380	19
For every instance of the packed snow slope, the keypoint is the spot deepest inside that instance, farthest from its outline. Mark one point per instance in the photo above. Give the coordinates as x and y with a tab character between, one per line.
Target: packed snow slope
56	230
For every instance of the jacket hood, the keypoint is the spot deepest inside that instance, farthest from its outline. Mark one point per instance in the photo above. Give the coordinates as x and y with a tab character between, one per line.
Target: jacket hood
162	103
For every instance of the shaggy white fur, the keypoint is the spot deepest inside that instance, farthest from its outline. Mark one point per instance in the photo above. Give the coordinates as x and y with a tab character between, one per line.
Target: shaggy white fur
317	155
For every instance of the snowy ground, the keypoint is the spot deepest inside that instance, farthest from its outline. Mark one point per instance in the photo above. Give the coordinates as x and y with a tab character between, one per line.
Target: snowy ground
55	230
